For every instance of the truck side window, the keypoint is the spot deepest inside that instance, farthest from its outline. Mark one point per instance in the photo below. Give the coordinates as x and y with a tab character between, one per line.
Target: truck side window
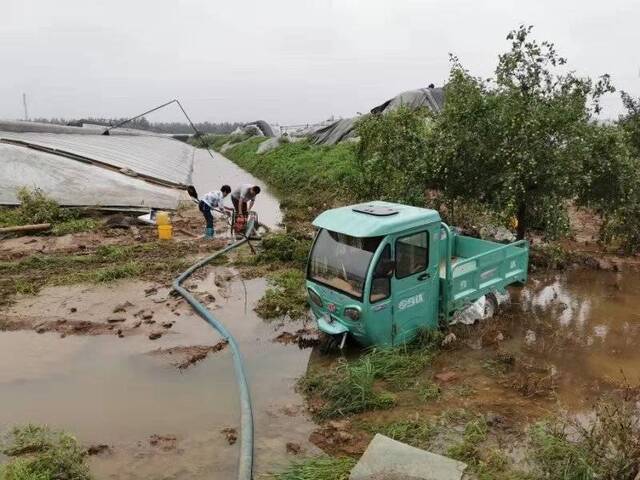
412	254
381	282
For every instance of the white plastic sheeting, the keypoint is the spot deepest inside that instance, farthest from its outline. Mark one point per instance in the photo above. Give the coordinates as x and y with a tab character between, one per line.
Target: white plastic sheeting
74	183
78	166
160	158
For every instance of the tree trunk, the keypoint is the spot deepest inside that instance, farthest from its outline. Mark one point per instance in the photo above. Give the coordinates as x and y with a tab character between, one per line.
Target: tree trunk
522	221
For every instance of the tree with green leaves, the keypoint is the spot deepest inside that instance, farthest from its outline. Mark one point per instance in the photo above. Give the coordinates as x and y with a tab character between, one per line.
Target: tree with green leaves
518	142
612	178
630	121
393	155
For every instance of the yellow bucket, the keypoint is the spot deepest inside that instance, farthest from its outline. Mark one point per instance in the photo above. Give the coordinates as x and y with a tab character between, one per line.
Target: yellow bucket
162	218
165	232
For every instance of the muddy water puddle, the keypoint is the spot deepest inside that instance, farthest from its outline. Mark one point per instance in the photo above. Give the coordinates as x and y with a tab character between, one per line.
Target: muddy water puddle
586	326
211	173
109	390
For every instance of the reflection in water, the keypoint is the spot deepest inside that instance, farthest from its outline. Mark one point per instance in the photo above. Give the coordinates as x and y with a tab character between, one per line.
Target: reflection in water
583	324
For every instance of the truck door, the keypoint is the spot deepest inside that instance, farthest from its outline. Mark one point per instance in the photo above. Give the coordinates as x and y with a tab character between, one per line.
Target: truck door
414	286
380	327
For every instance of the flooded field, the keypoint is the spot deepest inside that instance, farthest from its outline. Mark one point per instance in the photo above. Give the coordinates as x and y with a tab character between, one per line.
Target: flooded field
70	361
77	361
110	390
564	341
586	326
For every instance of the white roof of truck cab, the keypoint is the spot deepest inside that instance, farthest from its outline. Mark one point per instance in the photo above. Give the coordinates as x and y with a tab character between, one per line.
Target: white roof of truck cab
374	219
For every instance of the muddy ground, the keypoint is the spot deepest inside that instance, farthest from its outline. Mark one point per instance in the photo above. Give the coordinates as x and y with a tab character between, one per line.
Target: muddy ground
129	368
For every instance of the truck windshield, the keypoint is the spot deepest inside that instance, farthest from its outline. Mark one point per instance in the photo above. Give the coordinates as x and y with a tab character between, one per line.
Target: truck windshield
341	261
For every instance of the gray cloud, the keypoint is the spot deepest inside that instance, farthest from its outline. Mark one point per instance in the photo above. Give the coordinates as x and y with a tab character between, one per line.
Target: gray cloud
286	61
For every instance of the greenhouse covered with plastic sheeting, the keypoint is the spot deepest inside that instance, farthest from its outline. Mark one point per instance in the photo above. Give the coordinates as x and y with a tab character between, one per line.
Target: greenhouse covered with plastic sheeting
82	167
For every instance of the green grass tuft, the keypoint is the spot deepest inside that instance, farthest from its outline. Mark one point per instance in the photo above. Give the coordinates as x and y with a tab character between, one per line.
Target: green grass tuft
74	226
320	468
415	432
38	453
285	296
607	448
351	386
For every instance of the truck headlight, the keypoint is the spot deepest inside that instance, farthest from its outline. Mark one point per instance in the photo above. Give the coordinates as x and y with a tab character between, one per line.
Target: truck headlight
352	313
315	298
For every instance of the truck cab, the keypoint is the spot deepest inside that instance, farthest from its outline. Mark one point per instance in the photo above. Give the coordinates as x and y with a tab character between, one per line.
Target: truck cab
380	272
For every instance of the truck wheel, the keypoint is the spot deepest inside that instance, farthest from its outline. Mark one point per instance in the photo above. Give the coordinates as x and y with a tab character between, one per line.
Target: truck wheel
490	305
329	343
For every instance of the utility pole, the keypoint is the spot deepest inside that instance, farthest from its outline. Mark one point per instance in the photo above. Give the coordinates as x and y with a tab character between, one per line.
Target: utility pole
24	102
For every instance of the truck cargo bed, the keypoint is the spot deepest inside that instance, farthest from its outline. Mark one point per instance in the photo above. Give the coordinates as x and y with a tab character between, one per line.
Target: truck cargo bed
477	267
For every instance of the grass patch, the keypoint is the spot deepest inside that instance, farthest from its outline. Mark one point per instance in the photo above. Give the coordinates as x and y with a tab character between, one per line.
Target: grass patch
35	207
75	225
366	383
468	450
500	364
415	432
428	391
300	168
25	287
105	264
38	453
285	296
607	448
284	248
319	468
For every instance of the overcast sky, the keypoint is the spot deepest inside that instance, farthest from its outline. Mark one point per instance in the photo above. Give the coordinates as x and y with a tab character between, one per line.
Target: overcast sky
286	61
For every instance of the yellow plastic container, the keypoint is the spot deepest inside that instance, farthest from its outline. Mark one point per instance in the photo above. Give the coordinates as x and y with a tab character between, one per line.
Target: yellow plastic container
165	232
162	218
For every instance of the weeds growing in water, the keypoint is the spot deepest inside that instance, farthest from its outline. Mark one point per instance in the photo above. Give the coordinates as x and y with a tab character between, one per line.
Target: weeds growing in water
38	453
475	432
285	296
320	468
607	448
428	391
283	248
348	387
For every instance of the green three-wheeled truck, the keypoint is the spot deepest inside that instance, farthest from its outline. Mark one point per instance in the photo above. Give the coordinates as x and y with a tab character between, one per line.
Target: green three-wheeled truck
381	272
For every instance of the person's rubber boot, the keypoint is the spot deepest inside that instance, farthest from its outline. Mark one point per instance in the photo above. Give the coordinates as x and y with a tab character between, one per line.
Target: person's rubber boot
208	233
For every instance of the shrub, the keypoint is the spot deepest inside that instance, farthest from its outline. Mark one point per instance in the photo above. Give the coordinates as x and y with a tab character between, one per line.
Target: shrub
36	207
38	453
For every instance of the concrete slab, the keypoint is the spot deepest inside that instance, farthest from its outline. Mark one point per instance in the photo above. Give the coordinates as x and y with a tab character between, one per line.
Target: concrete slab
387	459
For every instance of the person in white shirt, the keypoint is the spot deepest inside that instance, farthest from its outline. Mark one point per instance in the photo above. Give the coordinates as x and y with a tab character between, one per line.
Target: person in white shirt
243	195
210	201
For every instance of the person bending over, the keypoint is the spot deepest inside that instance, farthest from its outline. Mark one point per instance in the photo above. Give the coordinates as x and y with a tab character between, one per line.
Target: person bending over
243	198
212	200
